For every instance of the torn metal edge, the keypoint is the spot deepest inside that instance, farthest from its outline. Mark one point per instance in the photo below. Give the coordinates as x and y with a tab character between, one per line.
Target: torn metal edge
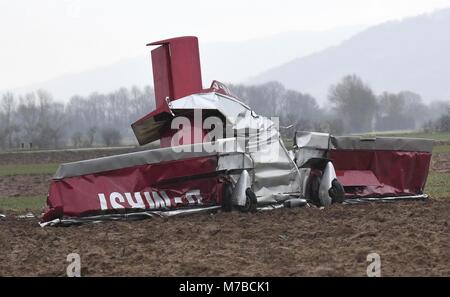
384	199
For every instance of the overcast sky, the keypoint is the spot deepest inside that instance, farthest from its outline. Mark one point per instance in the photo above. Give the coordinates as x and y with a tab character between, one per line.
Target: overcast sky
46	38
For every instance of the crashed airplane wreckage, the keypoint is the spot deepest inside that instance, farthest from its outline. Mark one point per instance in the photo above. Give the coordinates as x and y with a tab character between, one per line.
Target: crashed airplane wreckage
216	153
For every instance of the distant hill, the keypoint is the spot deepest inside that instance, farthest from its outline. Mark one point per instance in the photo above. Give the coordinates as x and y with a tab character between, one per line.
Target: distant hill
411	54
224	61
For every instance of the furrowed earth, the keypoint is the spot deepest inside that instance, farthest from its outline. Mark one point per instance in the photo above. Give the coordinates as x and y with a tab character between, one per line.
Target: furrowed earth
412	238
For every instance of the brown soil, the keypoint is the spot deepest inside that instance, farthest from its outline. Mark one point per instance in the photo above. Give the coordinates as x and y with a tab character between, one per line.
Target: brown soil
412	238
24	185
34	185
441	162
61	156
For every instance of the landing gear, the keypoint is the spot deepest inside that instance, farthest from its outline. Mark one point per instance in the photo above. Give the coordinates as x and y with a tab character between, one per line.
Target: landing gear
336	192
250	201
323	188
227	200
312	187
227	197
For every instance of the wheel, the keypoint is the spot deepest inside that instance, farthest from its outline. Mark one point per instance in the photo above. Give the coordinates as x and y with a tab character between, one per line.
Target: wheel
250	201
312	188
336	192
227	193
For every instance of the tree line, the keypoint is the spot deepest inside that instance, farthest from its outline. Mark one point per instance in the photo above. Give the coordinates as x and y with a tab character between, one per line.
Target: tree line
37	120
351	107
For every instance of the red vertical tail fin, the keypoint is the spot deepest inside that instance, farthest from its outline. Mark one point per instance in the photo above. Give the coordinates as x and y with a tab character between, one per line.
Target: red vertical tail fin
176	74
176	68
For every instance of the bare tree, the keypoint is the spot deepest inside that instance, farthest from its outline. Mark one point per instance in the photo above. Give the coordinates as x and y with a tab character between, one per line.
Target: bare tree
92	131
77	139
7	124
56	124
28	116
110	136
105	118
396	111
354	102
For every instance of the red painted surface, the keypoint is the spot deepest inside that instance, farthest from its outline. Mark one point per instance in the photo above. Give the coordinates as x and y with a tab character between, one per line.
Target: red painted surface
176	74
176	68
399	173
79	196
357	178
162	76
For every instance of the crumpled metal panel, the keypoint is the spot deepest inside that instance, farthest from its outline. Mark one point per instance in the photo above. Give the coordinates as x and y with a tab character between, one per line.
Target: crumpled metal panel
309	145
230	107
316	140
151	156
127	216
256	147
235	161
274	172
384	199
302	155
382	143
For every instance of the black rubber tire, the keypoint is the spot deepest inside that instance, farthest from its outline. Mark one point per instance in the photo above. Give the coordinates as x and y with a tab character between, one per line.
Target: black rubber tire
336	192
312	189
250	201
227	203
